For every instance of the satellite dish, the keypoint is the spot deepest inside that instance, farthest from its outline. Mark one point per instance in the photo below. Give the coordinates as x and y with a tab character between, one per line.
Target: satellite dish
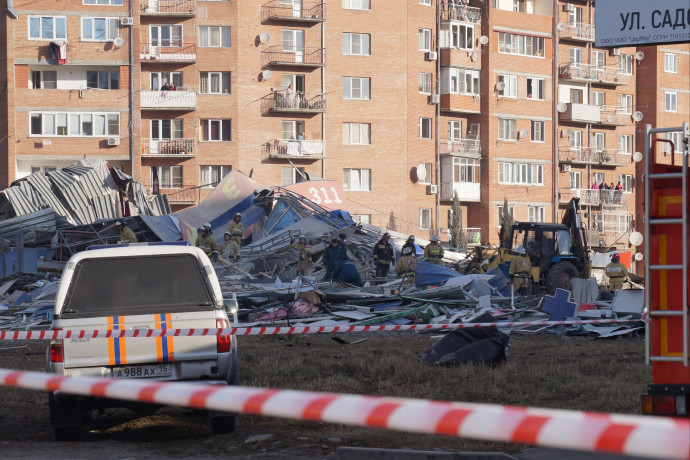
484	40
266	75
500	86
118	42
523	133
565	133
637	157
561	26
264	38
421	172
637	116
639	55
562	107
636	238
639	256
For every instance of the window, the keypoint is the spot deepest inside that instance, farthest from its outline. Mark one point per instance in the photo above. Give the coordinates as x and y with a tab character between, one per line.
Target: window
425	2
424	83
576	96
535	88
575	139
356	4
507	129
356	44
510	86
427	172
296	80
356	88
361	218
162	35
425	128
158	79
356	133
599	140
575	56
211	175
625	103
671	101
168	176
424	39
425	218
466	170
44	79
455	130
520	173
215	130
462	36
599	98
98	79
523	45
292	128
625	143
100	29
357	180
47	27
599	59
677	139
74	124
626	63
537	131
625	223
670	63
294	175
104	2
214	82
575	179
166	129
574	15
626	181
464	81
598	178
293	42
214	36
501	210
535	213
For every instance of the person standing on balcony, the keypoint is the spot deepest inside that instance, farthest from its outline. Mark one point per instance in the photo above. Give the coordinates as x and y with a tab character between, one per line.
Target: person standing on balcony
173	87
290	96
595	186
165	87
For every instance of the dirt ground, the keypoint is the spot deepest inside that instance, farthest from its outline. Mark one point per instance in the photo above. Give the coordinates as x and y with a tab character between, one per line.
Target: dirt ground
182	433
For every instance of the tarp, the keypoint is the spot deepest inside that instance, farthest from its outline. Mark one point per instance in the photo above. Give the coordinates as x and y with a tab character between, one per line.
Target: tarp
428	274
482	345
166	227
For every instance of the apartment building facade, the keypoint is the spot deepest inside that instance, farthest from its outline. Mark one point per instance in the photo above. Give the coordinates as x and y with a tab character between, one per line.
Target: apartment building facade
406	106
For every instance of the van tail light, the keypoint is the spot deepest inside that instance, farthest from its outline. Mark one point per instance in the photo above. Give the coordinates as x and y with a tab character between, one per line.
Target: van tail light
223	341
57	351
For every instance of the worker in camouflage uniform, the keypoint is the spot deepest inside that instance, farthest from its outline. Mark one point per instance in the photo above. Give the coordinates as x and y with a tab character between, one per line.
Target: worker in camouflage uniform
616	272
236	230
406	266
126	233
383	256
521	271
304	255
433	252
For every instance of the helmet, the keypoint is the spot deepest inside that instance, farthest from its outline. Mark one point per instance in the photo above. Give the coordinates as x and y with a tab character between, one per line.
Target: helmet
520	250
615	257
410	238
227	233
342	235
435	238
238	214
201	229
386	235
303	237
406	251
208	226
118	224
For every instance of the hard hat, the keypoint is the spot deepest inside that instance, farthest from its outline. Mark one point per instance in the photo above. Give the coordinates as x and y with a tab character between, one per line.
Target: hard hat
201	229
520	250
238	214
616	257
435	238
411	237
386	235
406	251
207	225
303	237
118	223
342	235
227	233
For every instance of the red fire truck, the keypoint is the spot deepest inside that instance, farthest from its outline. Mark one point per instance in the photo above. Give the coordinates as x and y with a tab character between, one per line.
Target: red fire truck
667	231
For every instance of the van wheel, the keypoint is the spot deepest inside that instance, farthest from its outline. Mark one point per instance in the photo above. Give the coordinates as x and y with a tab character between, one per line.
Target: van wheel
67	433
224	424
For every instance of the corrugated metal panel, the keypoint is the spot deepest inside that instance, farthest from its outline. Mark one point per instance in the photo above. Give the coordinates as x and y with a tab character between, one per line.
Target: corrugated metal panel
21	204
43	219
43	187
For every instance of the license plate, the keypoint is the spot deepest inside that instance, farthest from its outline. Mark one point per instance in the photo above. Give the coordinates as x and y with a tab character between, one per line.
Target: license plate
136	372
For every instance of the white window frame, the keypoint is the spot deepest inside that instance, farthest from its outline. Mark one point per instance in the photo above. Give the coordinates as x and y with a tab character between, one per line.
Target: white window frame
575	139
462	36
112	29
599	98
507	129
521	45
361	218
625	103
356	133
539	82
429	169
575	180
670	63
297	175
510	90
537	131
599	140
575	56
425	128
425	83
364	88
671	101
677	138
455	130
43	80
206	31
625	144
363	175
536	213
356	4
424	43
598	177
175	78
221	82
104	2
516	173
466	170
463	81
54	20
175	40
208	121
625	223
626	63
499	213
425	2
356	44
425	219
171	175
176	128
598	59
626	181
75	122
220	171
110	74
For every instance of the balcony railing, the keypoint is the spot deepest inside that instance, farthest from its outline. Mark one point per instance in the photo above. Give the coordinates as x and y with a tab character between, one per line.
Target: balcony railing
577	31
465	191
461	13
167	52
168	147
460	147
593	73
293	56
593	197
182	194
167	7
280	10
293	148
593	156
164	100
283	101
614	116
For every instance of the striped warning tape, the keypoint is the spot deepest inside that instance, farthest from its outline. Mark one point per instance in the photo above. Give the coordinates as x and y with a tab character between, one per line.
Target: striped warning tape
657	437
103	334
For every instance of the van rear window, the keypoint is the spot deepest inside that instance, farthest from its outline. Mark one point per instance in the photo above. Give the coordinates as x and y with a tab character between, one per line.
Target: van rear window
137	285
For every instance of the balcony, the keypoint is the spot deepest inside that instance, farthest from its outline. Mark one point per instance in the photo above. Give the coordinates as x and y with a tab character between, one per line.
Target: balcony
461	103
278	10
294	149
577	31
590	197
168	100
593	156
293	56
581	113
282	101
461	13
593	74
168	53
168	148
465	191
614	116
462	147
167	8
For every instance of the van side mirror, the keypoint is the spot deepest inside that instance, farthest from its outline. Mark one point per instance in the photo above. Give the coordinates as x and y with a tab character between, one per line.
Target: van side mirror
231	306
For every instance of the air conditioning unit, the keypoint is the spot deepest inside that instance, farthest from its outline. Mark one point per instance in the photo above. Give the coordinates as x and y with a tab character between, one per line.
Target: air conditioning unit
431	189
431	56
126	21
434	99
615	52
113	141
565	168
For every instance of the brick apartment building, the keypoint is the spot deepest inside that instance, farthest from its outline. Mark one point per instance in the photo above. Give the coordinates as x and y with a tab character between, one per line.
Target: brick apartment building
405	103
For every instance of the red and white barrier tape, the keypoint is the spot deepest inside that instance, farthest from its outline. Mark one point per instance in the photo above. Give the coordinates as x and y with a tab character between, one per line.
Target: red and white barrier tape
657	437
103	334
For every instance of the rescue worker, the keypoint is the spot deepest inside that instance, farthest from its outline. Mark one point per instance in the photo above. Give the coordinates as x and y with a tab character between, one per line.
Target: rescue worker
406	265
433	252
342	247
126	233
521	271
205	240
346	272
616	272
236	230
383	256
410	244
304	255
330	259
226	245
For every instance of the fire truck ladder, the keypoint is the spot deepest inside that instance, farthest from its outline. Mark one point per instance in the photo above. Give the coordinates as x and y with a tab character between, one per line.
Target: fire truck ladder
683	221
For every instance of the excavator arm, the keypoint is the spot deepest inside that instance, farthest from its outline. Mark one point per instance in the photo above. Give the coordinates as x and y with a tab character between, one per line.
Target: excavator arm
573	220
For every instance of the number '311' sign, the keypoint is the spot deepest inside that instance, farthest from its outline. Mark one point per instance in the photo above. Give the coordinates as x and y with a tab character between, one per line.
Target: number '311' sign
326	193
